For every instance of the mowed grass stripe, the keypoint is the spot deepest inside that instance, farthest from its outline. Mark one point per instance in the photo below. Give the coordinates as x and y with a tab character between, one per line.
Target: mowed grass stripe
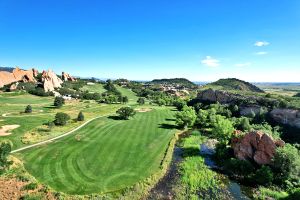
110	155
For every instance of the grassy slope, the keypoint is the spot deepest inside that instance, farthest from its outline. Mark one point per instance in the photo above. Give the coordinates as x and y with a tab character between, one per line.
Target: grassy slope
110	154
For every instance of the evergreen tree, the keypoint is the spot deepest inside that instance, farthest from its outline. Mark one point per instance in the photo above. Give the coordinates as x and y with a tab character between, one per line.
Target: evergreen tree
80	116
28	109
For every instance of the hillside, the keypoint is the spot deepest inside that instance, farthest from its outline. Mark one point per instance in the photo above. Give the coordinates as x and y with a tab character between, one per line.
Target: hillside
179	81
235	84
6	69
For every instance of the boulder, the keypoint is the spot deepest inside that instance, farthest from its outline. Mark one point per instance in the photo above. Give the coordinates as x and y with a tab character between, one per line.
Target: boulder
13	86
256	146
208	147
286	116
50	81
67	77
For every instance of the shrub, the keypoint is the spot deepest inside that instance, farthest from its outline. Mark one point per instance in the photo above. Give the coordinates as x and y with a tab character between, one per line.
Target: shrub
5	149
239	167
286	164
125	112
141	101
80	116
58	102
28	109
264	176
61	119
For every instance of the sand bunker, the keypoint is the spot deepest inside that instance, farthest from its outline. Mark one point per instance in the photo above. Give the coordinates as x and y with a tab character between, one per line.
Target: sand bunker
144	110
5	130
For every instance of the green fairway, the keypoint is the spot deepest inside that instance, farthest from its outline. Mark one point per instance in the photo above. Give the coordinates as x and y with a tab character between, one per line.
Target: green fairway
127	92
106	155
97	87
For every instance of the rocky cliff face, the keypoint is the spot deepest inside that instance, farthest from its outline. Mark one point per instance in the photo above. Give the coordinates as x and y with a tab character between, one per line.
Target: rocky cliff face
16	75
216	96
67	77
50	81
286	116
256	146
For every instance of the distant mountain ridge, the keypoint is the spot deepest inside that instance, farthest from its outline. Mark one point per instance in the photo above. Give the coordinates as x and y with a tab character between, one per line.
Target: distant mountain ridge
7	69
235	84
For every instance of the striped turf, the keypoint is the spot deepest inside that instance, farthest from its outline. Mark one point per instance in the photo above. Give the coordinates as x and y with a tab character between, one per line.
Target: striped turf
110	155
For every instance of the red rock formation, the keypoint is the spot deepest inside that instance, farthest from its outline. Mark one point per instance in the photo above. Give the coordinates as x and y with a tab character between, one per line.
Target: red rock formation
67	77
256	146
35	72
50	81
16	76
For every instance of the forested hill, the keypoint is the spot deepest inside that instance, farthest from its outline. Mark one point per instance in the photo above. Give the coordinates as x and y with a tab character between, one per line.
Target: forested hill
235	84
179	81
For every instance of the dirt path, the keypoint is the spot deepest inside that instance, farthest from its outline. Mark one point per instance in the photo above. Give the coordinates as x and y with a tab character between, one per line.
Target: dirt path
57	137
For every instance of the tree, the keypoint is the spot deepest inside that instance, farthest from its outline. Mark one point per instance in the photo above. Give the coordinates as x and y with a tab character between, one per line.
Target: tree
5	149
125	99
80	116
126	112
186	117
222	129
28	109
264	176
59	101
61	119
141	101
179	104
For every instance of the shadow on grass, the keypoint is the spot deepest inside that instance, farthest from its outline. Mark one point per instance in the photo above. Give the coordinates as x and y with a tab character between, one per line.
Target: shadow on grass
50	107
114	117
168	126
173	120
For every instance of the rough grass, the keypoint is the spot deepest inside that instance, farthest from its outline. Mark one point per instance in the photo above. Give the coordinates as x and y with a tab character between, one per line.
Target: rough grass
106	155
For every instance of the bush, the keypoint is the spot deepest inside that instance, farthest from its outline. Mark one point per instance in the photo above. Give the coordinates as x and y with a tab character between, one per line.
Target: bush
125	112
5	149
141	101
239	167
294	194
222	129
28	109
263	176
80	116
61	119
58	102
286	164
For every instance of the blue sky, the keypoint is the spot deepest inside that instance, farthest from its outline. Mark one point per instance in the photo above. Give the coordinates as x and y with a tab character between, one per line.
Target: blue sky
202	40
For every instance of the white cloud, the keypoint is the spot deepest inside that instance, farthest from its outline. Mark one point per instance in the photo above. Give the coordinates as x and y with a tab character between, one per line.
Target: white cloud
261	43
210	62
260	53
243	64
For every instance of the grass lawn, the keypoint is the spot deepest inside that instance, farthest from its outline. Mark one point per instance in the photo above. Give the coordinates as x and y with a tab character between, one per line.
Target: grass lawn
106	155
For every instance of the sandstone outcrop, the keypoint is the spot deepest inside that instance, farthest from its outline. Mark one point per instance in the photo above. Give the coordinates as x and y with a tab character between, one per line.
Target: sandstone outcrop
286	116
16	75
256	146
50	81
67	77
216	96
